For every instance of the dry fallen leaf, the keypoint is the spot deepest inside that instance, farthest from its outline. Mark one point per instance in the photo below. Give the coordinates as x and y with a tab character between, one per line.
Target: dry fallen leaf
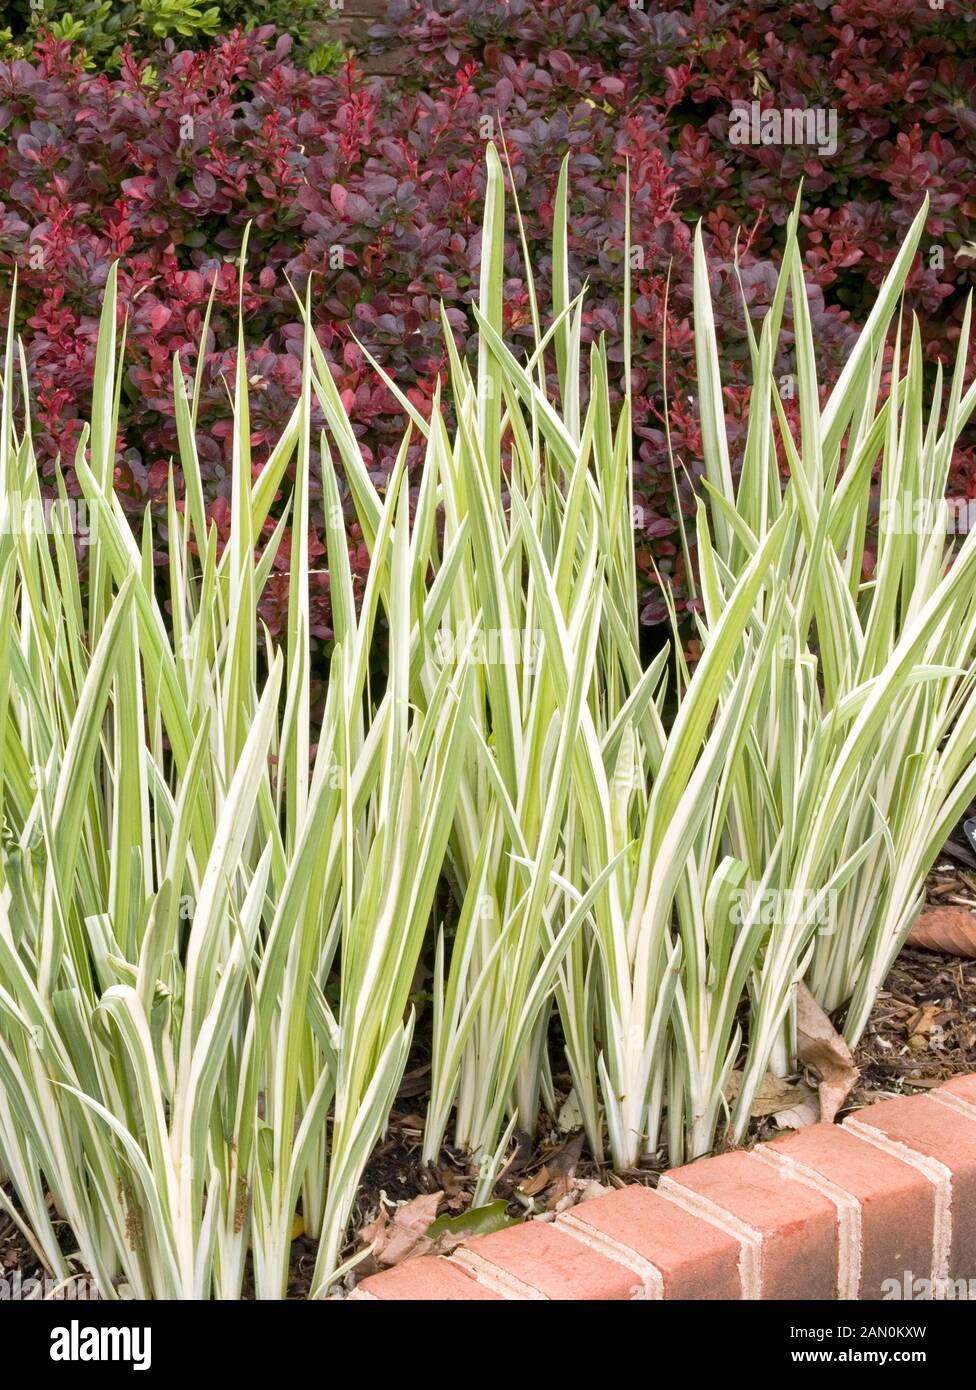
570	1115
773	1094
948	929
821	1047
405	1236
567	1156
456	1185
555	1179
539	1181
409	1123
923	1020
561	1193
805	1112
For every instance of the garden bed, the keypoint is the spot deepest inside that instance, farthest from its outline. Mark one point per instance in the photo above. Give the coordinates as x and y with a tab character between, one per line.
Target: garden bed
353	811
924	989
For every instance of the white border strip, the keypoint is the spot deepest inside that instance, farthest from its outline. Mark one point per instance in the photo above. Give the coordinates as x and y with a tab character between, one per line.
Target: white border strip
938	1175
954	1102
652	1280
750	1240
850	1240
495	1279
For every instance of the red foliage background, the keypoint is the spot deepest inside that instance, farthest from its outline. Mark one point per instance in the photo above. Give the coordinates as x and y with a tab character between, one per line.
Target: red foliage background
164	168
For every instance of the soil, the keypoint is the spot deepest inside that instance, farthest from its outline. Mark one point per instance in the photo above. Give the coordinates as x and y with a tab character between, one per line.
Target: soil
922	1031
18	1258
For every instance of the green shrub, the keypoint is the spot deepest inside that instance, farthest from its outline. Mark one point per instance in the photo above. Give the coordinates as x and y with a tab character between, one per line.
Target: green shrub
100	28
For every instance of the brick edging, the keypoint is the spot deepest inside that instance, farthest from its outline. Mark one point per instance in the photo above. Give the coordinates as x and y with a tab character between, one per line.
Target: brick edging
830	1211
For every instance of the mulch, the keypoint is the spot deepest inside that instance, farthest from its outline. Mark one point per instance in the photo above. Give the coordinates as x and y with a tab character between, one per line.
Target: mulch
922	1030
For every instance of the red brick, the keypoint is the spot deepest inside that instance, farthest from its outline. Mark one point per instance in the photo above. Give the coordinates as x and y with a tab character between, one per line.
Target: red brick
937	1131
897	1202
696	1260
555	1264
425	1279
963	1087
797	1225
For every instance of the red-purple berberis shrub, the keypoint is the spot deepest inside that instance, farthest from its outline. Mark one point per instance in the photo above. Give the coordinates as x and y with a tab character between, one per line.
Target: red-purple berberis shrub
895	84
373	186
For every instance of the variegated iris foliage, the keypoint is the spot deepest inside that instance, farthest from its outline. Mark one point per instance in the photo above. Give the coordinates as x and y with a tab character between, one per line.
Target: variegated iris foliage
213	906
